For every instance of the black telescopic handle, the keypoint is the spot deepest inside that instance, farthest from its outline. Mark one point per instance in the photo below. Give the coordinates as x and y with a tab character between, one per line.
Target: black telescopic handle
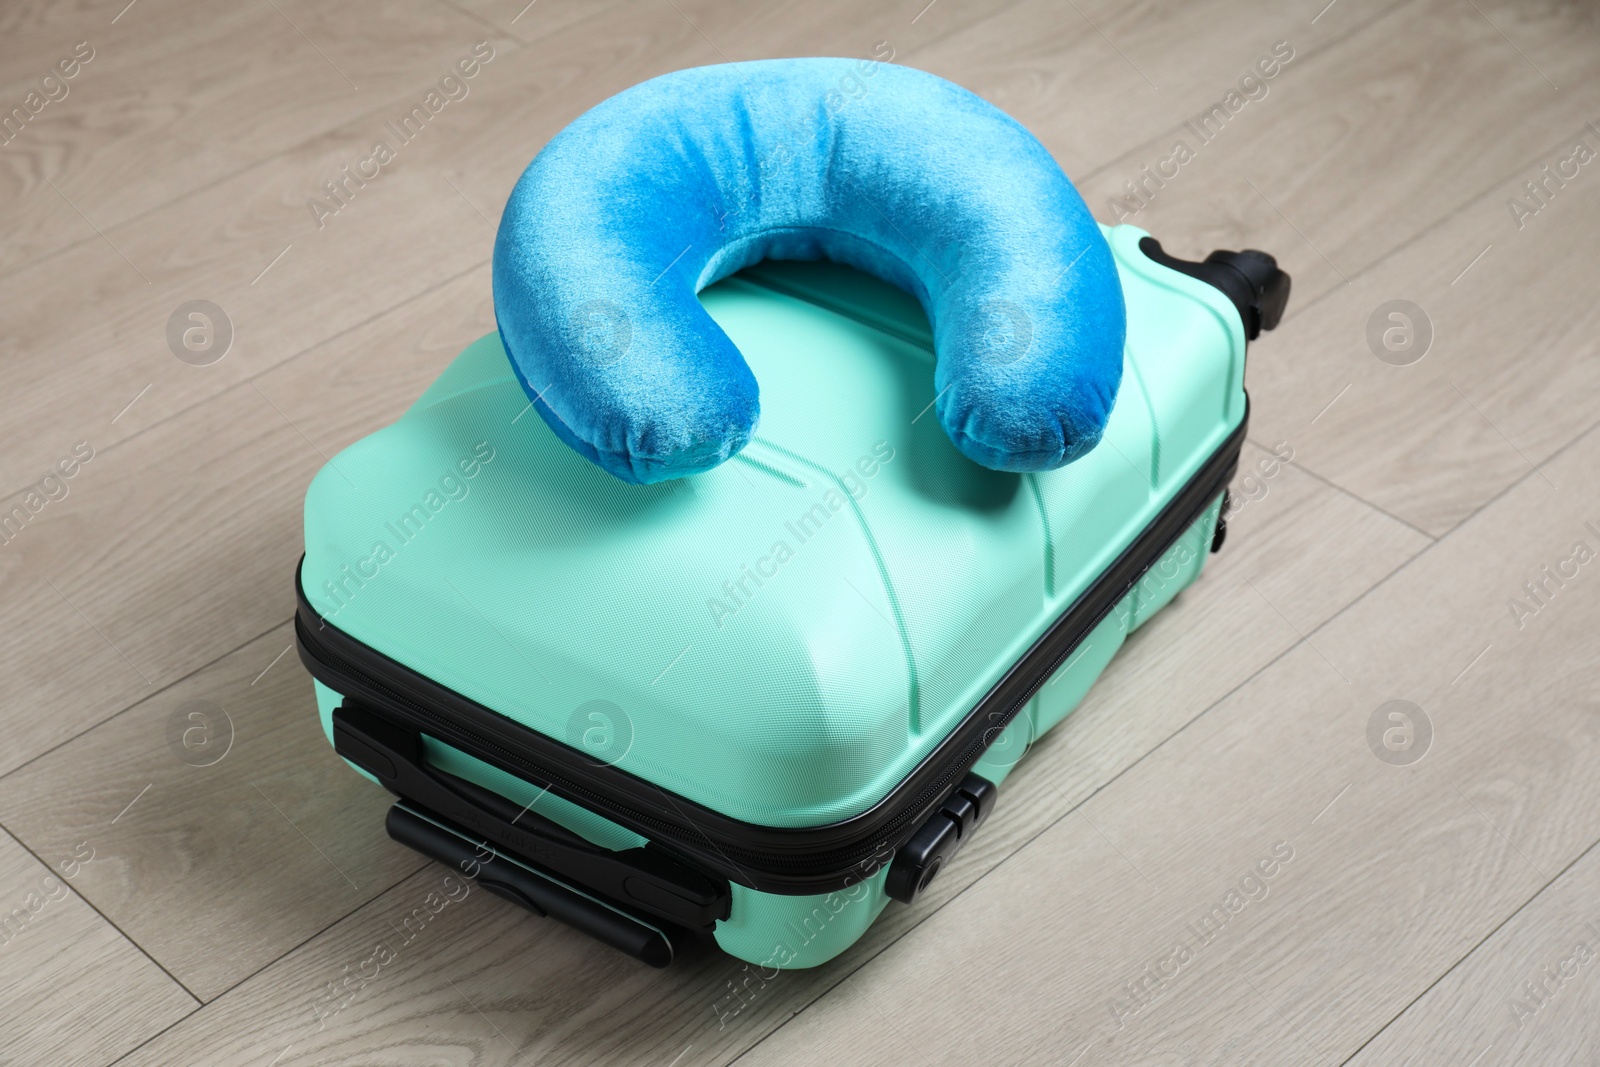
514	882
642	878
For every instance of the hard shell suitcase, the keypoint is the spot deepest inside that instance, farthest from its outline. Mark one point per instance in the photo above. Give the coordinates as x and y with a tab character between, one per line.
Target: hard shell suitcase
758	704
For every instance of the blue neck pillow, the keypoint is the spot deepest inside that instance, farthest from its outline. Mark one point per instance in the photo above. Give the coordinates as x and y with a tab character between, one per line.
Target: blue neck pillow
663	189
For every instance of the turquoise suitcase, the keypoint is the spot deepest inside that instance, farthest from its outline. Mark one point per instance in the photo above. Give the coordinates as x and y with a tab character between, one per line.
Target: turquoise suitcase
759	704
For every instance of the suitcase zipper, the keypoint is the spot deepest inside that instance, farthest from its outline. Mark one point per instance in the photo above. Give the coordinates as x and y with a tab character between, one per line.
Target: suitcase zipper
448	730
779	860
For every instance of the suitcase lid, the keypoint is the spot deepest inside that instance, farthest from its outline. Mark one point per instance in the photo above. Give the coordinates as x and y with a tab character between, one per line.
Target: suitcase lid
782	639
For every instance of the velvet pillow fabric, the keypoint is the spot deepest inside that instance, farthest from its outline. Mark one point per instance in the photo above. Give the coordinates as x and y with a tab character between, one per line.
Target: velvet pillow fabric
679	181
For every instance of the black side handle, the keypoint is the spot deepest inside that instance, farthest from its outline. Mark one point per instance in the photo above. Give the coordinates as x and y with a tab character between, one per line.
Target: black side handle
506	878
1221	533
920	859
1250	279
647	879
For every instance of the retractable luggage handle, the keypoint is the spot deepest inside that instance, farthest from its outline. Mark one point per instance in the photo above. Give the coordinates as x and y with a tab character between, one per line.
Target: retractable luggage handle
500	874
643	878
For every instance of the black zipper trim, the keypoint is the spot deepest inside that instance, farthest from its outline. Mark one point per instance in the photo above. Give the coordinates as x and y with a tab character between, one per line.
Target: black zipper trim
790	861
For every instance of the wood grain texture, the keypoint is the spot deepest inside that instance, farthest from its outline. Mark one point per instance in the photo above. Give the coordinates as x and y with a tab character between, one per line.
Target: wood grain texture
1396	872
138	577
1378	563
1511	372
250	243
426	217
1095	81
1384	132
72	989
1294	531
214	499
248	831
1527	994
1507	380
179	96
414	978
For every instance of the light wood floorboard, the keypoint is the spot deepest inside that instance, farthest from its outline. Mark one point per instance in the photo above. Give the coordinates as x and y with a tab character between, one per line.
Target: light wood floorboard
1205	645
223	900
1511	374
1485	1007
247	839
72	988
1396	872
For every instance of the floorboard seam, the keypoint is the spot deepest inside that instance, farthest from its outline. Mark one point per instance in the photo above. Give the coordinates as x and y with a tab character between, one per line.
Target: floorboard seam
1489	190
201	1005
474	16
286	361
1058	819
1471	951
374	112
1003	860
1475	512
147	697
1336	487
1310	54
1156	748
120	931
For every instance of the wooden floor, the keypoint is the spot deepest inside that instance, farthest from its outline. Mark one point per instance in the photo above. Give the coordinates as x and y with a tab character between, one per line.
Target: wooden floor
222	908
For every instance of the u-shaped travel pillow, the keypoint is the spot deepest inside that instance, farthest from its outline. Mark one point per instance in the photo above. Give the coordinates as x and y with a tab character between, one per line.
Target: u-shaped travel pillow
665	188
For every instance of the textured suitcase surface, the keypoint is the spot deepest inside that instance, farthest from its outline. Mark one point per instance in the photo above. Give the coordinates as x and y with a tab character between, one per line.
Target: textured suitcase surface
778	668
